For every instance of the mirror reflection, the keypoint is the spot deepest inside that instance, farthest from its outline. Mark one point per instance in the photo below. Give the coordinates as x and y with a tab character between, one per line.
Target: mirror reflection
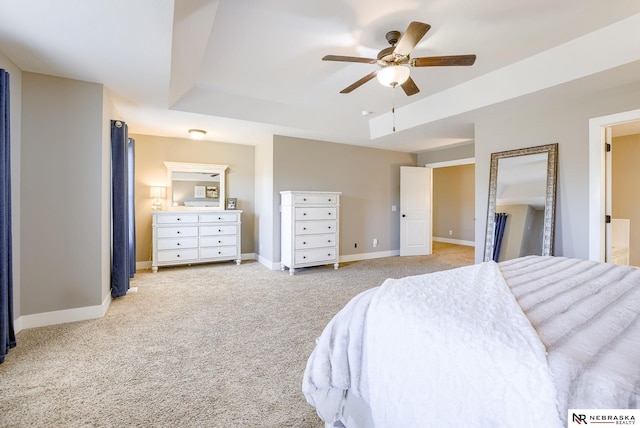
520	219
197	186
196	189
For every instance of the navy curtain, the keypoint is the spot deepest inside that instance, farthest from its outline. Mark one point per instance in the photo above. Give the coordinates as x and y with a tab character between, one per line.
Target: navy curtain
123	257
498	233
7	334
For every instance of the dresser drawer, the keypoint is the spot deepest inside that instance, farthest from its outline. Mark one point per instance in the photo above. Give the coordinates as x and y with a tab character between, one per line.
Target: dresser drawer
176	218
212	252
304	213
224	229
218	241
176	243
311	199
174	232
219	217
317	255
177	255
313	227
316	241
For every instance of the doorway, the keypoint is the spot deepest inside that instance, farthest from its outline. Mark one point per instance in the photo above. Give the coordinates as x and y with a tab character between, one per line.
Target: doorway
453	220
622	234
598	210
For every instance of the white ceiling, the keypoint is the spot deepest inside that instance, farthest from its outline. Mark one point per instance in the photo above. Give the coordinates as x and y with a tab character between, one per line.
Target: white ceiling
244	70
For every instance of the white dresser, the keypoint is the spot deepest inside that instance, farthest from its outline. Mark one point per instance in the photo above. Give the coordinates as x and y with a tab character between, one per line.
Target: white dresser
187	237
309	229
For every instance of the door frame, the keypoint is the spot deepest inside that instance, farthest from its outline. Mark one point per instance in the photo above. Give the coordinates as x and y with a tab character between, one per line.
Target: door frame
597	178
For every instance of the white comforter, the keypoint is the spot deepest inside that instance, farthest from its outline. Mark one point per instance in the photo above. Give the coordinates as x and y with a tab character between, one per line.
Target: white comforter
445	349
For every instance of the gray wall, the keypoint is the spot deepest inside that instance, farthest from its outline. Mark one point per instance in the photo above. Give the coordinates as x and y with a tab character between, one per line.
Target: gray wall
459	151
368	178
61	184
564	121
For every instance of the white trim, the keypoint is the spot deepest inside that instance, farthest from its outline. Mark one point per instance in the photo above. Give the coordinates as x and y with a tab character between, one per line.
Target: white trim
63	316
140	266
454	241
456	162
368	256
597	178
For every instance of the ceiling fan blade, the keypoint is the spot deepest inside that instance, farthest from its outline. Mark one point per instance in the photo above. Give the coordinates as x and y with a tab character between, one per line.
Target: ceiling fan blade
409	87
359	83
435	61
415	32
349	59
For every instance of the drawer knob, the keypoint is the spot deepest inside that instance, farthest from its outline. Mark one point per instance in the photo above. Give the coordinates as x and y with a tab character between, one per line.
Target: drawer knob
219	242
329	241
304	213
304	243
304	199
329	199
329	227
219	218
219	230
178	244
178	255
219	252
304	228
329	254
178	219
328	213
304	257
178	232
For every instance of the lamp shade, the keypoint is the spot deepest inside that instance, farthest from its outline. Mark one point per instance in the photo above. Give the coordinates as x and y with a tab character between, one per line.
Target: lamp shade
197	134
393	75
157	192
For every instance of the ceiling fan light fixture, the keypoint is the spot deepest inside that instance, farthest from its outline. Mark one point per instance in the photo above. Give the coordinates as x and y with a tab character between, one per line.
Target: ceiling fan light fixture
197	134
393	75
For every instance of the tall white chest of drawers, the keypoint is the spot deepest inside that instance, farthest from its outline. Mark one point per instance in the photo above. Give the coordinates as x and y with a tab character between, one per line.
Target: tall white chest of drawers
189	237
309	229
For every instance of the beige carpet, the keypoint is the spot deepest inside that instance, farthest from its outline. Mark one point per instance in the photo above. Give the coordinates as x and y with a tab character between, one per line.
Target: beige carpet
215	345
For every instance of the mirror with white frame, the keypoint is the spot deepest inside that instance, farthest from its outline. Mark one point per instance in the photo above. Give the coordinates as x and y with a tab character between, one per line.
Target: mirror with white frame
196	185
522	198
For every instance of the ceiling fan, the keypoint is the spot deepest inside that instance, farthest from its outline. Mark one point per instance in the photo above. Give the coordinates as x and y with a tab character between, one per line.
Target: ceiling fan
394	61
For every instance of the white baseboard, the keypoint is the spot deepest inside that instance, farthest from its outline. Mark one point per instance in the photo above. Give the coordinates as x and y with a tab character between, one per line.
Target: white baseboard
61	317
369	256
147	265
454	241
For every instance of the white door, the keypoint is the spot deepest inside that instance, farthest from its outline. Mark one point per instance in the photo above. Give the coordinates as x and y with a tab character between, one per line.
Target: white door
415	211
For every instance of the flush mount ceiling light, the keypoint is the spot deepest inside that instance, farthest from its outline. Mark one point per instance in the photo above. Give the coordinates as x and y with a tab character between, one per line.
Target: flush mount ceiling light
197	134
393	75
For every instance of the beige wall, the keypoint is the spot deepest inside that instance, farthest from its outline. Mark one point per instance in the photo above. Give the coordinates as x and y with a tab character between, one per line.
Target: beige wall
368	178
625	179
565	121
61	184
151	152
454	202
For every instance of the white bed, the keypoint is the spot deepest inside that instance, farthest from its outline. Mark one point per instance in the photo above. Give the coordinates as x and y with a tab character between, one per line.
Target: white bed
491	345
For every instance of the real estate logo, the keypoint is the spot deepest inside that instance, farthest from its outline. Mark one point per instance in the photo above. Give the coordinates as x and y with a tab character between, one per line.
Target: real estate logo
582	417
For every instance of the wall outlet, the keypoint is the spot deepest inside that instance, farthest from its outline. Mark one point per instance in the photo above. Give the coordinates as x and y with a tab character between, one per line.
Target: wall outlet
450	232
375	242
355	245
394	208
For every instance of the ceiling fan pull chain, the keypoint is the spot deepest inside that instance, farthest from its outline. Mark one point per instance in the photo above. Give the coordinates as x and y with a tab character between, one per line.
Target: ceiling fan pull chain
393	107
